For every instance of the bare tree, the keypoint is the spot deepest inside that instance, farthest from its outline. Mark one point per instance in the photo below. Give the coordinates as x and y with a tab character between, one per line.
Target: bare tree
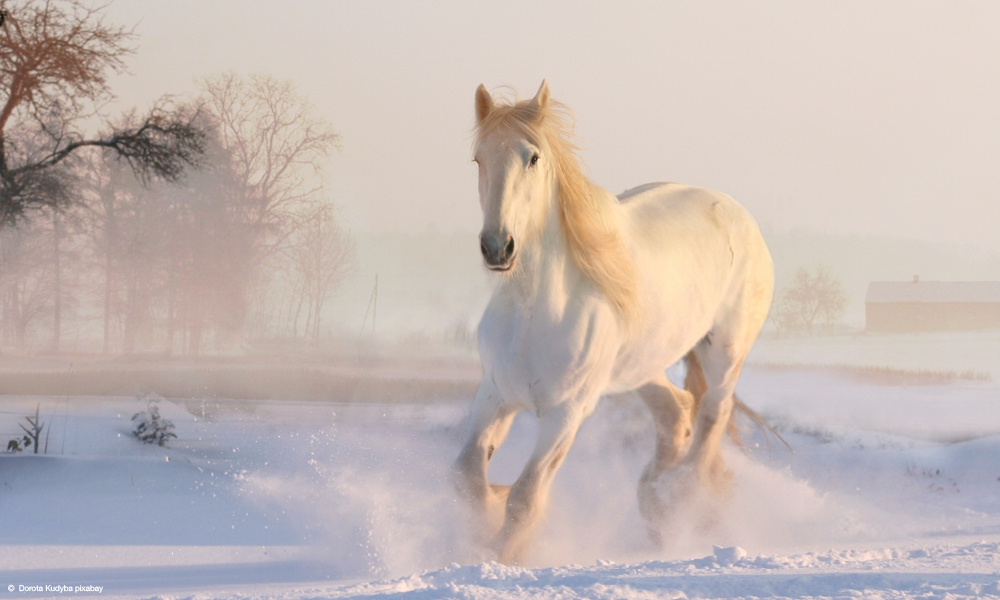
99	222
25	281
140	260
57	287
70	275
209	256
55	58
171	258
126	225
276	144
323	256
813	297
37	425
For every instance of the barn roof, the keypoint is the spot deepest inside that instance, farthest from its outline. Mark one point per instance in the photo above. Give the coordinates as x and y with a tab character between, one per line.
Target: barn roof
933	291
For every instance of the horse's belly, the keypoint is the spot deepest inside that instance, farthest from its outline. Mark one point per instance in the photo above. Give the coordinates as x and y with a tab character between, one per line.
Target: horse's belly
645	358
680	310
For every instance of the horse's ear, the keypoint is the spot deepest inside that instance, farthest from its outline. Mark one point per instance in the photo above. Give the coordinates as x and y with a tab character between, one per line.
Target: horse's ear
484	103
541	99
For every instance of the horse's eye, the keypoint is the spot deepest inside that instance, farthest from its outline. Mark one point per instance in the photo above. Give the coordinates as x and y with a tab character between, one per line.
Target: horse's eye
534	159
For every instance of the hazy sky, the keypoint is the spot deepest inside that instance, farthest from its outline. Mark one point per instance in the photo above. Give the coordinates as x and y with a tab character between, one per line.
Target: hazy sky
856	117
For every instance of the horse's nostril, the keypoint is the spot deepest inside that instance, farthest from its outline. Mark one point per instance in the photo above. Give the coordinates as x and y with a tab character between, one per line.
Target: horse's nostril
497	250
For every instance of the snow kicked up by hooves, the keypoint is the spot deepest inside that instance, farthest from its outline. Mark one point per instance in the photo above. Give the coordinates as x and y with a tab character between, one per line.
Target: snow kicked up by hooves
311	500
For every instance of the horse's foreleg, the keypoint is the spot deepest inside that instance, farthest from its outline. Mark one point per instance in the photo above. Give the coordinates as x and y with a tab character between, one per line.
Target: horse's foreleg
490	420
671	409
529	494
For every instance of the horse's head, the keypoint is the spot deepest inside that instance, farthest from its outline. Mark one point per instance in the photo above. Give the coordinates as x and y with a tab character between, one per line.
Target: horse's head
516	174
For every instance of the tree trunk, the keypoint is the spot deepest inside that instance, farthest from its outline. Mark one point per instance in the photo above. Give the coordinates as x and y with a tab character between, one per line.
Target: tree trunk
107	305
7	319
320	301
110	235
295	319
131	319
170	314
307	332
21	327
195	341
194	325
56	283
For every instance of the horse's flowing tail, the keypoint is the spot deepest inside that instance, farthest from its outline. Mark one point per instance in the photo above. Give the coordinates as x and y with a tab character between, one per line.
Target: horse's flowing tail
694	382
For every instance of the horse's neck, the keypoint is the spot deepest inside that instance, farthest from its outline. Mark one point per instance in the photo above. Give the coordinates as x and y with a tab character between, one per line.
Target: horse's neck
547	271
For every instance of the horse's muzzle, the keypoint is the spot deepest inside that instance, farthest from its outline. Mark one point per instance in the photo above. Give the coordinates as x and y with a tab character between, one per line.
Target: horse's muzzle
497	251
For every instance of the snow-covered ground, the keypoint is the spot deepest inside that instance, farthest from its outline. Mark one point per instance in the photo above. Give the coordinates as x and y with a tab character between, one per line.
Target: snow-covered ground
890	492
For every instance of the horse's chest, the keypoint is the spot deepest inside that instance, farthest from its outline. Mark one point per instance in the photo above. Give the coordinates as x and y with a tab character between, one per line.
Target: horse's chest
535	360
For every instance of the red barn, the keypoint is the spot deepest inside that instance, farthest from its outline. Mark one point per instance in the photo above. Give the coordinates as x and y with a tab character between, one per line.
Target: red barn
893	306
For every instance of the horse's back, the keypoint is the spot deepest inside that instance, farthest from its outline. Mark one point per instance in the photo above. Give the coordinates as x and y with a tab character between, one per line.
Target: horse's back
693	242
672	214
676	218
631	193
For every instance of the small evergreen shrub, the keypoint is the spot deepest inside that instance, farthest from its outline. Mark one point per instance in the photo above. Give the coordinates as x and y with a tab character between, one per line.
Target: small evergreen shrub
150	427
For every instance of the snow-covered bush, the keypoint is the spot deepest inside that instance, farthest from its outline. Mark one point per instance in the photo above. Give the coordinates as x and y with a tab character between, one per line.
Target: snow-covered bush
149	426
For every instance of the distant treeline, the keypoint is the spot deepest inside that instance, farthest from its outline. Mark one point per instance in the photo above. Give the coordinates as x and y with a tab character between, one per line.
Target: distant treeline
244	247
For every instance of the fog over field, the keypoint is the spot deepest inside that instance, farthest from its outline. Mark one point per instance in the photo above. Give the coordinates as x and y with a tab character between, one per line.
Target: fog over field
446	285
848	120
859	136
237	354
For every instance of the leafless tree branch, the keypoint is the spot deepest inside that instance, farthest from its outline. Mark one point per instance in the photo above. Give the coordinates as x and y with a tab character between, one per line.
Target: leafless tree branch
55	59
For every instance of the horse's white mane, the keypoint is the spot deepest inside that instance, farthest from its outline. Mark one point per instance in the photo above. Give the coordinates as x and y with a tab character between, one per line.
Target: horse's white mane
589	215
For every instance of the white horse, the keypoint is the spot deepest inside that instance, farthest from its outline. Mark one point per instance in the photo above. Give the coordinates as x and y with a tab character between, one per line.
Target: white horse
599	295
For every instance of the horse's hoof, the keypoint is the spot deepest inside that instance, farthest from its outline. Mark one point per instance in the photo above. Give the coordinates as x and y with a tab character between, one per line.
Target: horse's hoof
654	535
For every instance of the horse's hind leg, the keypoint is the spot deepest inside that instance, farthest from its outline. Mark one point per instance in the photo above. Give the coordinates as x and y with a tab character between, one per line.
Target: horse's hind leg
716	367
720	355
718	361
671	409
491	419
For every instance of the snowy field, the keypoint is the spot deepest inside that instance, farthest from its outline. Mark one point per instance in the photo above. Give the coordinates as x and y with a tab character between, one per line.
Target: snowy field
891	492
